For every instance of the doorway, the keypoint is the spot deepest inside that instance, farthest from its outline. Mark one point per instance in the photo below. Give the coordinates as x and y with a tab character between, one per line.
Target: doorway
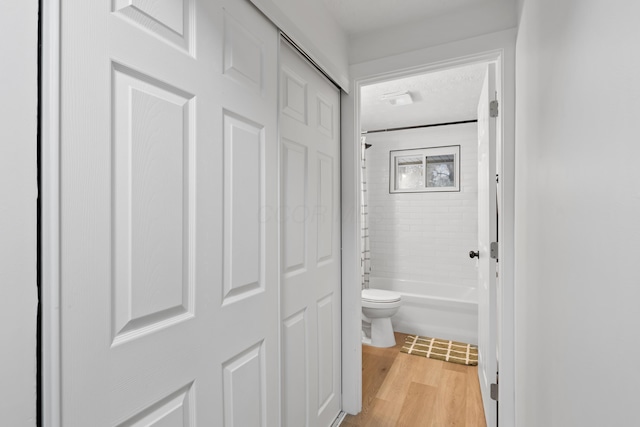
420	197
381	71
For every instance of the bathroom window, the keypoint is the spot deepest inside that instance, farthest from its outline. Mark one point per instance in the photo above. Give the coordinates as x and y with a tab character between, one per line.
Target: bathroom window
425	169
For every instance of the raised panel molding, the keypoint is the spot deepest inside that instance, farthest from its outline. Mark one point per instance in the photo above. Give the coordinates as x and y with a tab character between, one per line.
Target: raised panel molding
294	95
243	202
325	116
294	206
175	410
170	20
243	54
325	352
325	208
153	204
244	388
295	381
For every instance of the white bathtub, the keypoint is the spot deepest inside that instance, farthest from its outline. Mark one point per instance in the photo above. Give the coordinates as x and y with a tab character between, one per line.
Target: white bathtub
435	310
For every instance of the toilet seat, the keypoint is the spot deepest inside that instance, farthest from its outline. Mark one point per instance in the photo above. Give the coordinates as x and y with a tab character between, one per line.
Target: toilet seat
379	296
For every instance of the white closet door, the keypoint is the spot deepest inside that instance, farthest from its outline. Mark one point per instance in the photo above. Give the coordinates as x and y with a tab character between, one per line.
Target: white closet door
169	299
310	242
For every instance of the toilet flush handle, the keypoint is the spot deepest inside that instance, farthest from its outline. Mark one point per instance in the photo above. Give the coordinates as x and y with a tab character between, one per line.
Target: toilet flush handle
475	254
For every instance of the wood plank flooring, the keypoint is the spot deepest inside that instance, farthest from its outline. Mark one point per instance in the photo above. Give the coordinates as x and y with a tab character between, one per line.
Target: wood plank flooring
399	389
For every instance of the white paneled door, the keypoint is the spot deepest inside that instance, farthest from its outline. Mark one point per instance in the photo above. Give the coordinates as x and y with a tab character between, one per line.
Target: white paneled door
169	241
310	243
487	233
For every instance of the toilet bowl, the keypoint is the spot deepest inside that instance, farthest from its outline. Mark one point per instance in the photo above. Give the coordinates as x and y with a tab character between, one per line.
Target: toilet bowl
378	306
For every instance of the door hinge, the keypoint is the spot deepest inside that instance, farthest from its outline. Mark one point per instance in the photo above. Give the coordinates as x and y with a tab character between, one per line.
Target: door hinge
494	392
493	108
497	179
493	248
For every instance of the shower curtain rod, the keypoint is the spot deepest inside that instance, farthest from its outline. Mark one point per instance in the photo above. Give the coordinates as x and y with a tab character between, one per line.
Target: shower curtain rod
418	127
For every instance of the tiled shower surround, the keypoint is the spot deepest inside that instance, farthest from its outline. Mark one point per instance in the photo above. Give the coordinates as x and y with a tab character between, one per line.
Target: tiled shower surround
424	237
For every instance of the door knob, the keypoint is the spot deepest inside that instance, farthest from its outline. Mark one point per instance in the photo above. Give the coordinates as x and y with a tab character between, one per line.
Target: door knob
475	254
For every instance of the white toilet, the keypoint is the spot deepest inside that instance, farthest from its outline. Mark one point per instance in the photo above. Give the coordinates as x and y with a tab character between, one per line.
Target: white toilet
377	307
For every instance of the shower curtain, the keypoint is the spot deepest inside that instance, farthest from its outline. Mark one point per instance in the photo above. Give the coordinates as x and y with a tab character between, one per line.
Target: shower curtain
365	260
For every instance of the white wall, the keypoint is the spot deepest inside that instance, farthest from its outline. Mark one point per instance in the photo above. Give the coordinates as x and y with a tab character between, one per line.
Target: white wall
577	213
314	29
18	193
424	237
482	18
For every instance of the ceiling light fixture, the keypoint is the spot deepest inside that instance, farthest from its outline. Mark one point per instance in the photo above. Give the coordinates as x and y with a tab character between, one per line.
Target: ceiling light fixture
398	98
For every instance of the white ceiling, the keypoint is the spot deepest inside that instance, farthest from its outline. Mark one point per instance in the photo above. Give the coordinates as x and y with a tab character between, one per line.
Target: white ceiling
438	97
360	16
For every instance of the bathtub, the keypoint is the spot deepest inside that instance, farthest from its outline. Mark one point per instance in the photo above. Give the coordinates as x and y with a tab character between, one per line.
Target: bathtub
434	310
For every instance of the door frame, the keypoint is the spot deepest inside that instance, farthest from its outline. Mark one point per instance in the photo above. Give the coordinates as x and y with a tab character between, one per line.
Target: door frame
496	47
49	369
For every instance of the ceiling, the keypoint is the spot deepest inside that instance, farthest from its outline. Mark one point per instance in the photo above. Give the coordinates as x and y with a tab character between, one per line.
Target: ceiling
360	16
438	97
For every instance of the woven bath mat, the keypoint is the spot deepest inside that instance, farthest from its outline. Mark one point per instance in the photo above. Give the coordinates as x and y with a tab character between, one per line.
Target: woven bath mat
436	348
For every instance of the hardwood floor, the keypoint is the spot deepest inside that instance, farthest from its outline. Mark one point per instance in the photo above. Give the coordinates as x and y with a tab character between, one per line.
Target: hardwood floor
399	389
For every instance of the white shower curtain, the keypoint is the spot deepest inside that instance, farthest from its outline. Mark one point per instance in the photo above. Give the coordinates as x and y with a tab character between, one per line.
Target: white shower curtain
364	218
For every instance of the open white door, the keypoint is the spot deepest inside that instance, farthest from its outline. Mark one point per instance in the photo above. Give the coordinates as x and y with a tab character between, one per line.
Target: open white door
487	233
168	254
310	243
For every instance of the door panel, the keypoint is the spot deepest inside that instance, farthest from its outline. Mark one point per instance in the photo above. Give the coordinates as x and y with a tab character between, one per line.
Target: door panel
244	392
310	217
294	202
294	95
295	370
243	54
170	21
243	144
152	207
487	233
325	351
174	410
325	208
169	236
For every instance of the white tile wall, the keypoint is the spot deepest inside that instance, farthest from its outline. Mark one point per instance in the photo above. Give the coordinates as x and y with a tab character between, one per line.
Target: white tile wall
424	236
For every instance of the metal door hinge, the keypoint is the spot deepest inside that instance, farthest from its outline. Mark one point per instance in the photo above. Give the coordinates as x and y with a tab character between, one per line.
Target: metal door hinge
497	179
493	109
494	250
494	392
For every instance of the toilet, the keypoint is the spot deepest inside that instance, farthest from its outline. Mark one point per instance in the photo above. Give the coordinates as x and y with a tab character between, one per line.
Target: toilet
377	308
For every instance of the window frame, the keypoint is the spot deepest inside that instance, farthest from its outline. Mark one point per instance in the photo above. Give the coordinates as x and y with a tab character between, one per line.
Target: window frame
424	153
